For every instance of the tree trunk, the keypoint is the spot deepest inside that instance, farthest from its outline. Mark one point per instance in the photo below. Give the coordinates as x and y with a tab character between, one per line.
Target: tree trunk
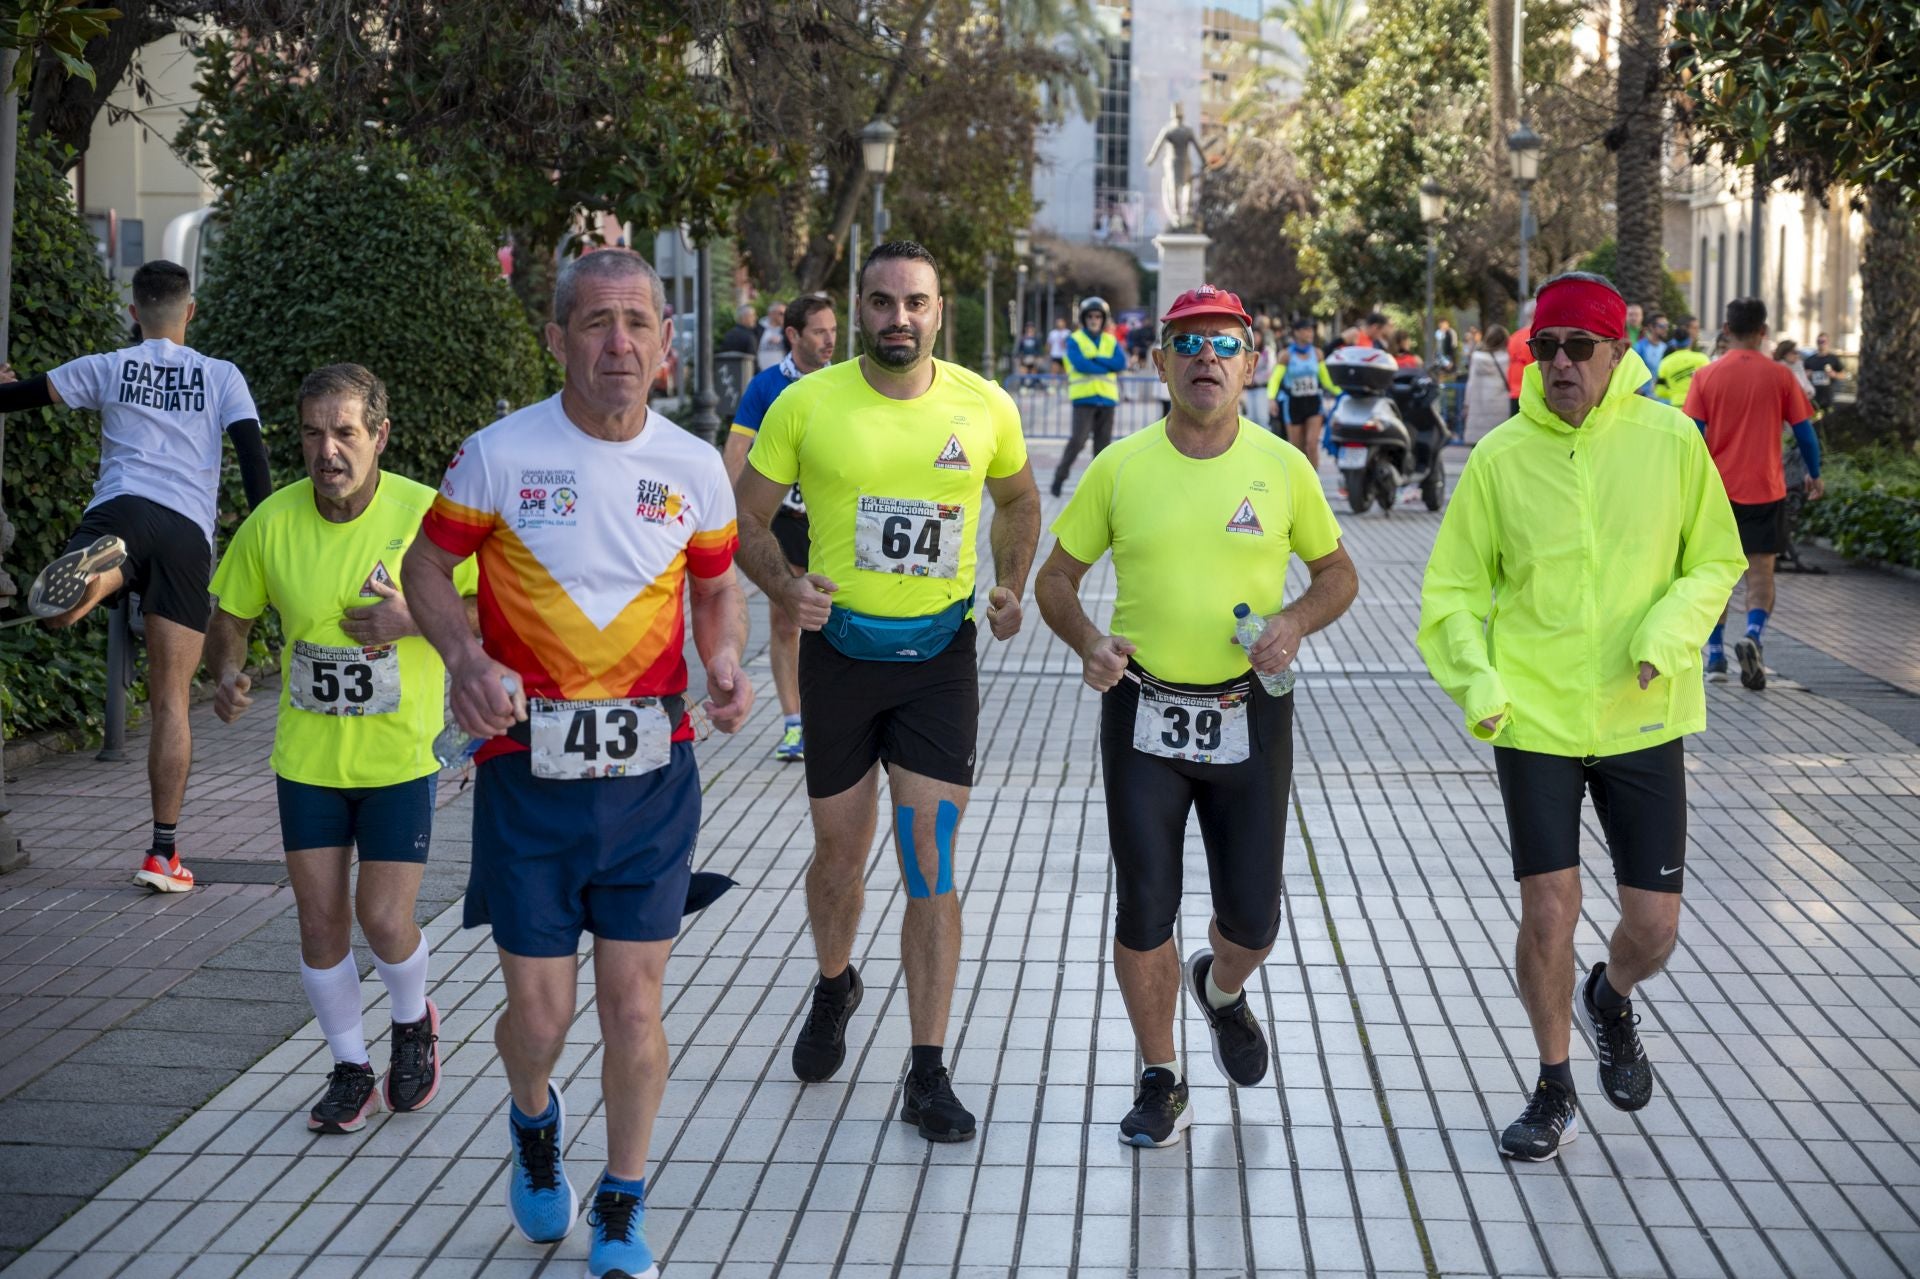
1889	389
1502	93
66	106
1637	140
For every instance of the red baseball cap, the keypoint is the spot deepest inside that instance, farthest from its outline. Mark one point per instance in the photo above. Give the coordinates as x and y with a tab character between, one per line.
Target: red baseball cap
1207	300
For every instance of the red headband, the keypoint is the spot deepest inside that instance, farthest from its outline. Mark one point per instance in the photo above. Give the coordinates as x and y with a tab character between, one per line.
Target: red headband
1581	304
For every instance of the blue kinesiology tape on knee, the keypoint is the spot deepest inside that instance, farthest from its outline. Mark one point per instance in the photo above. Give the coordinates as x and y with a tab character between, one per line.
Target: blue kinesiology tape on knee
909	863
945	821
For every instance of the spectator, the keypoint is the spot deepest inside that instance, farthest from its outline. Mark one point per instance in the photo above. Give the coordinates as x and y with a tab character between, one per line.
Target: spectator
1651	347
1633	321
1823	370
1140	345
1519	354
1403	353
1684	358
1446	348
1057	345
1030	349
1787	352
1486	396
743	338
1373	331
773	336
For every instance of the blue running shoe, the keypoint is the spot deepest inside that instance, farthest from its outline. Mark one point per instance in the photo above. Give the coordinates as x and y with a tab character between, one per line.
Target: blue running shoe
792	748
619	1239
539	1196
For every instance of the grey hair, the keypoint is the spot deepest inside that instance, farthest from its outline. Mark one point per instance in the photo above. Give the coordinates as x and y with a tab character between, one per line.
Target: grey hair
351	380
603	264
1588	277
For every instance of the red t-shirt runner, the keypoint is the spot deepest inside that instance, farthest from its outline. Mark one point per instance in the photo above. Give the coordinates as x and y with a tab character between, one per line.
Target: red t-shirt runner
1746	399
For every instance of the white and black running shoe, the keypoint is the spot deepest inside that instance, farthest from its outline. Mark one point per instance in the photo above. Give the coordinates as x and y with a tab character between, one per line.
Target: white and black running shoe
1753	669
1549	1122
349	1099
1160	1110
1239	1045
62	584
1626	1076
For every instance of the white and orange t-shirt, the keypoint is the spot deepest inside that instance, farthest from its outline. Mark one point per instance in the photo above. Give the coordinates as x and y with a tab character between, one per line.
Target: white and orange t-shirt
584	546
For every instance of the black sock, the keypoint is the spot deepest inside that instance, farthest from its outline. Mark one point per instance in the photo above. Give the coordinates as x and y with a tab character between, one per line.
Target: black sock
163	833
1606	998
1561	1074
841	986
926	1059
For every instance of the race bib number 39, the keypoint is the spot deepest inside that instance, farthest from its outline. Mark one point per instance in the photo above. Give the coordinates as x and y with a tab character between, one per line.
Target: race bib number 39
616	737
345	681
906	535
1201	728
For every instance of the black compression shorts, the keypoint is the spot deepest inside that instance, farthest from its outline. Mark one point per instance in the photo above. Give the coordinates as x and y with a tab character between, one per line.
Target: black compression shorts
1302	409
1763	526
1243	822
790	531
922	716
1640	798
169	563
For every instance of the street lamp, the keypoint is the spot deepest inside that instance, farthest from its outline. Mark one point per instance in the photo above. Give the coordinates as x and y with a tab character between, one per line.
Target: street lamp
876	151
1523	164
1022	244
986	355
1433	207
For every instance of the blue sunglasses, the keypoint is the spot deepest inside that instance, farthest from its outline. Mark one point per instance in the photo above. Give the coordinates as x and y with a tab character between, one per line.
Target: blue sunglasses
1225	345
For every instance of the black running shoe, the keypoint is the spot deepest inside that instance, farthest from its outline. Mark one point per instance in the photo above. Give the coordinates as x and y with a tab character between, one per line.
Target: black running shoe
1717	669
1239	1046
348	1101
822	1045
1626	1076
930	1104
1753	671
1160	1112
1549	1122
414	1075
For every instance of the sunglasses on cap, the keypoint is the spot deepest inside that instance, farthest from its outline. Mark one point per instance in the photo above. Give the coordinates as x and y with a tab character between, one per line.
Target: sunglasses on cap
1579	350
1225	345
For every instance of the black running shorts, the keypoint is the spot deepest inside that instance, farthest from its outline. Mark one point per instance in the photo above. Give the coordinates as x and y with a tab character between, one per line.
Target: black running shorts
1302	409
922	716
790	531
1243	822
169	563
1763	527
1640	798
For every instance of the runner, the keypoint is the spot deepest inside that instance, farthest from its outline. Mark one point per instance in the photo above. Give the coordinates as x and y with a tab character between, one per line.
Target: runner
1679	365
589	514
1585	554
1824	368
149	527
811	337
361	700
892	451
1519	355
1294	392
1740	402
1057	345
1202	511
1094	364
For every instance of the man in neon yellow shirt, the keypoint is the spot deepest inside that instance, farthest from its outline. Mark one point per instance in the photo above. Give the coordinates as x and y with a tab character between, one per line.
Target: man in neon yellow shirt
361	701
893	451
1202	512
1588	550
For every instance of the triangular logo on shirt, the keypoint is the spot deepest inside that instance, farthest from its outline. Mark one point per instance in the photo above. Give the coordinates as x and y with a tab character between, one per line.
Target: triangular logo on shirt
379	575
953	457
1244	520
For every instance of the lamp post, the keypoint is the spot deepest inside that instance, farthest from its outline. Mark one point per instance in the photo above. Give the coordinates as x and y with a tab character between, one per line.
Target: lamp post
986	355
1523	164
705	423
876	157
1022	243
12	856
1433	207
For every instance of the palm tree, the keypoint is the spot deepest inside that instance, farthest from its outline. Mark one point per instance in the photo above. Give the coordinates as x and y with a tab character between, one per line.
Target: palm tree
1637	140
1317	26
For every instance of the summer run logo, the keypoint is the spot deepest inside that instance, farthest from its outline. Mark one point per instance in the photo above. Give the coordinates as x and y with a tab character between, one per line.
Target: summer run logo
657	503
1244	520
159	387
953	457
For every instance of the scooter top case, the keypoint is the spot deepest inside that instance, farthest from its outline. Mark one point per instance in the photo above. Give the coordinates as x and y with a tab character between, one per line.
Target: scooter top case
1362	370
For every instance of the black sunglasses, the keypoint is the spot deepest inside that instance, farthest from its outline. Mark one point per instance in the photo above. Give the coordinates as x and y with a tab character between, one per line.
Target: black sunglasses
1579	350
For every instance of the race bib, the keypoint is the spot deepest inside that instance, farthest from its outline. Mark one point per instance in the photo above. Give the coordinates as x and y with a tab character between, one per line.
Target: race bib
1201	728
345	681
793	503
614	737
906	535
1818	377
1302	387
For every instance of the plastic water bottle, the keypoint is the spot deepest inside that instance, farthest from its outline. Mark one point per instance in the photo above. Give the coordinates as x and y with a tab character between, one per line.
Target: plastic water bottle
454	747
1248	626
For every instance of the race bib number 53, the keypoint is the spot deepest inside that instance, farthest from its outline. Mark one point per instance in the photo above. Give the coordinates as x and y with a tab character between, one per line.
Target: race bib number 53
614	737
1202	728
345	681
906	535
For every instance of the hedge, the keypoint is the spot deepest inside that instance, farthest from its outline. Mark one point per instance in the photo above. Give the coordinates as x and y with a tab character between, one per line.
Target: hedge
1872	506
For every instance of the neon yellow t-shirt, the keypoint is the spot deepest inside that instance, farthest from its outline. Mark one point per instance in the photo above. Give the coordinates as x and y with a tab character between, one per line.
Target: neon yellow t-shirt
310	569
1192	537
893	486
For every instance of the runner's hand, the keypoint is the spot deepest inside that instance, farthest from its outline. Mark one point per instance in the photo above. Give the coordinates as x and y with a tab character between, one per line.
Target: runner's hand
7	374
1105	661
380	623
809	599
1003	612
1816	488
230	699
1277	646
487	698
1492	723
1648	674
729	694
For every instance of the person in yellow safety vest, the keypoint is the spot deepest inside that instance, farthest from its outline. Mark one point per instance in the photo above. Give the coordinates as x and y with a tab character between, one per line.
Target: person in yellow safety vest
1094	363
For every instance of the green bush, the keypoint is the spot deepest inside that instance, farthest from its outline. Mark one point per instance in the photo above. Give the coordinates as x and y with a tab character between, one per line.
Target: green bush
365	257
63	306
1872	506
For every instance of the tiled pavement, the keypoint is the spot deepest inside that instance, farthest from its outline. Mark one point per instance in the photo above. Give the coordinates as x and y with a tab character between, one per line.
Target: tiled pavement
1782	1141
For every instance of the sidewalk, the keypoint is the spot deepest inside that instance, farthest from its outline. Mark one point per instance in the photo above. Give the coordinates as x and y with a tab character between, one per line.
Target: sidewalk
1781	1141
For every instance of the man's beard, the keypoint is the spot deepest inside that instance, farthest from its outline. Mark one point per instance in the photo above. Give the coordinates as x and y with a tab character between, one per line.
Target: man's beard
896	357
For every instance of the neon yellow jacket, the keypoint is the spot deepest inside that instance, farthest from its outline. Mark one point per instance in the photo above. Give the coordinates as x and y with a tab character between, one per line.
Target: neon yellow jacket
1569	556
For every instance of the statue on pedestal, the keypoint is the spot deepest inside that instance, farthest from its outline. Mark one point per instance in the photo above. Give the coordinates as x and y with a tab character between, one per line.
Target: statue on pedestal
1180	181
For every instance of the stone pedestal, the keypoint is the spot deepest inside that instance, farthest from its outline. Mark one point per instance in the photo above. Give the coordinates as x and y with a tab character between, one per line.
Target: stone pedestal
1183	263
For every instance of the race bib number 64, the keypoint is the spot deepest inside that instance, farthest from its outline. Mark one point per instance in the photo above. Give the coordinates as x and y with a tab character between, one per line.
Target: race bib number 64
908	536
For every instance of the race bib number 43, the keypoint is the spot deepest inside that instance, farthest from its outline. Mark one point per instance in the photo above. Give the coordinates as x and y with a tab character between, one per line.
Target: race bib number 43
615	737
345	681
1202	728
907	535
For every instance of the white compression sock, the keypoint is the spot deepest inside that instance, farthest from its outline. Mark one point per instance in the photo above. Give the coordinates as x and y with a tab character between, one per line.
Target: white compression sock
1173	1065
1216	997
335	995
406	983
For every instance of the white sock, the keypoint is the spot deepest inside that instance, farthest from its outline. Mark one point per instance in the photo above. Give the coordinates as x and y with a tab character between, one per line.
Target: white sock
406	983
1216	997
335	995
1173	1065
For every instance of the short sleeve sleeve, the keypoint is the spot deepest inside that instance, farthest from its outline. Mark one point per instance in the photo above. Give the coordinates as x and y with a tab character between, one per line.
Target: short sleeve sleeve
466	576
240	581
1793	401
1315	532
82	383
710	552
236	399
1696	405
1009	440
463	511
1085	526
752	409
776	447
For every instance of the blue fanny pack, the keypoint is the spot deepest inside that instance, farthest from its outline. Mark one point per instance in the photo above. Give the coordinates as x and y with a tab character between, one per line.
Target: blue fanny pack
894	639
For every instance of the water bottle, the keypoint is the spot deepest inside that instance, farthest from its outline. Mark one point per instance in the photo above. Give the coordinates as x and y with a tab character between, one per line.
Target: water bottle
1248	626
454	747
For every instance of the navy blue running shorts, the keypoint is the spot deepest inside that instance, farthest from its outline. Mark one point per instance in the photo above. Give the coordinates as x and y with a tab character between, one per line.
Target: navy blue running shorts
386	823
609	856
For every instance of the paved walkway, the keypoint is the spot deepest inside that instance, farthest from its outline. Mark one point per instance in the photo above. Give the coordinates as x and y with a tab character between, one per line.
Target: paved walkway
1782	1140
